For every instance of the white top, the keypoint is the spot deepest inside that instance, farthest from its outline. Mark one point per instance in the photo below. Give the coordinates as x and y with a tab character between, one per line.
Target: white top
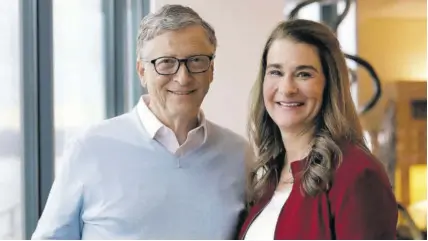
165	136
263	227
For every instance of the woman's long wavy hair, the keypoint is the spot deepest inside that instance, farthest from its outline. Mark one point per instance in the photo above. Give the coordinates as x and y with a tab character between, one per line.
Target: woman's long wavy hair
337	122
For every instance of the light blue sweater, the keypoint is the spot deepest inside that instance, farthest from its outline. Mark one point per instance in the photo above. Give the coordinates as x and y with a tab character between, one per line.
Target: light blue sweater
117	183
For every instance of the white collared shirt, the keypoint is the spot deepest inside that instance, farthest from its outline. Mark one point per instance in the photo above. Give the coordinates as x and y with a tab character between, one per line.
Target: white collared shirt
165	136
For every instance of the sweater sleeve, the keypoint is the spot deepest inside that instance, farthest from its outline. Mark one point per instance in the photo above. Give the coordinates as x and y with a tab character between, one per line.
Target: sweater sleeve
365	208
61	216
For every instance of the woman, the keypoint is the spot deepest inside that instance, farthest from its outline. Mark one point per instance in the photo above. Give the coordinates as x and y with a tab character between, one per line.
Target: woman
314	177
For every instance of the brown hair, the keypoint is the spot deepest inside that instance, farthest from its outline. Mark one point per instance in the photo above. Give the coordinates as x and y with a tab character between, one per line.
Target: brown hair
337	121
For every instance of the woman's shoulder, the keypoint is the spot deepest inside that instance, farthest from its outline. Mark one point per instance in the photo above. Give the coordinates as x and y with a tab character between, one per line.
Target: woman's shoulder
357	157
358	163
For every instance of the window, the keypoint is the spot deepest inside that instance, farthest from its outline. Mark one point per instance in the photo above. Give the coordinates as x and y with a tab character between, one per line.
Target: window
86	33
11	168
79	73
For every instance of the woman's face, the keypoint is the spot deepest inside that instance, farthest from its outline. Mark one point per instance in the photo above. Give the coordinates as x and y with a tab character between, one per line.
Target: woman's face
293	85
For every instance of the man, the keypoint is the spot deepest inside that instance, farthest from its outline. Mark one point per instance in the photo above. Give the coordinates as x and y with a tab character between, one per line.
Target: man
161	171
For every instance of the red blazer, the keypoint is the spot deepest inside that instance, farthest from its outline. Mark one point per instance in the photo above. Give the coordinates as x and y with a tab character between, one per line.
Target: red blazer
359	205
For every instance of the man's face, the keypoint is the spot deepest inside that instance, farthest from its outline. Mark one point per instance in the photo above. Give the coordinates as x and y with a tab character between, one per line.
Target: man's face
180	94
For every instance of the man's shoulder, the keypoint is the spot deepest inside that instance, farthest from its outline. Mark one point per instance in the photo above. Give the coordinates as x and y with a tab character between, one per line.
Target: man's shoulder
224	134
119	127
102	139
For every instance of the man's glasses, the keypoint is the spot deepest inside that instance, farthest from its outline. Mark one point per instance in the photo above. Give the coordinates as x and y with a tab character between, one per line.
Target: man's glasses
194	64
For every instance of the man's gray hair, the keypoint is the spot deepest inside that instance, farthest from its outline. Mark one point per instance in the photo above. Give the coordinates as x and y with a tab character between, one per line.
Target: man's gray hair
169	18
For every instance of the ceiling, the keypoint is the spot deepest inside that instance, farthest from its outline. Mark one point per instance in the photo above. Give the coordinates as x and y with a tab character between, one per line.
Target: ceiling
408	9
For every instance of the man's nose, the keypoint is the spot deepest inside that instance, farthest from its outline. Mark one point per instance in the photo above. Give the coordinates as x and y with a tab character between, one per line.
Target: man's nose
183	76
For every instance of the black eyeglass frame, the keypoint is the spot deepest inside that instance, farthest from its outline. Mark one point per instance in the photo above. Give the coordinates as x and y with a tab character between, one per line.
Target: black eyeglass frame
210	57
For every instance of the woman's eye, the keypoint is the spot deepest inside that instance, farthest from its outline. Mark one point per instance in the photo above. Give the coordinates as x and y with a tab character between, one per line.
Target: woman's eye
275	73
304	75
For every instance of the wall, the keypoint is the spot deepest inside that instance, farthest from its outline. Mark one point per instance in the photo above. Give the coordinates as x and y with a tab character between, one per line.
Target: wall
242	27
393	38
391	35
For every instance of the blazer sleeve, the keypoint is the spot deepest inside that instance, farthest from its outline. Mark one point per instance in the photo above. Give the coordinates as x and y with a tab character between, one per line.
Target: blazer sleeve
61	216
365	208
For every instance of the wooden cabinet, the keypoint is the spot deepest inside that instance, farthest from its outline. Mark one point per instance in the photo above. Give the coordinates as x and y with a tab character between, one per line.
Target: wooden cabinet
402	139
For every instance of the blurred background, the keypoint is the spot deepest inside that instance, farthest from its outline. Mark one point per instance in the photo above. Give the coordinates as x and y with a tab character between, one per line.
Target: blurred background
67	64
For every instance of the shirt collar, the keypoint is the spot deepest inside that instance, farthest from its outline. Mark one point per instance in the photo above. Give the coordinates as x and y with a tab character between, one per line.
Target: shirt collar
152	124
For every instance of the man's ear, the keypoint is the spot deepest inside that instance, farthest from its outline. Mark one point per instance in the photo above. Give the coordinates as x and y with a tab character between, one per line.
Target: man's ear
140	71
212	75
